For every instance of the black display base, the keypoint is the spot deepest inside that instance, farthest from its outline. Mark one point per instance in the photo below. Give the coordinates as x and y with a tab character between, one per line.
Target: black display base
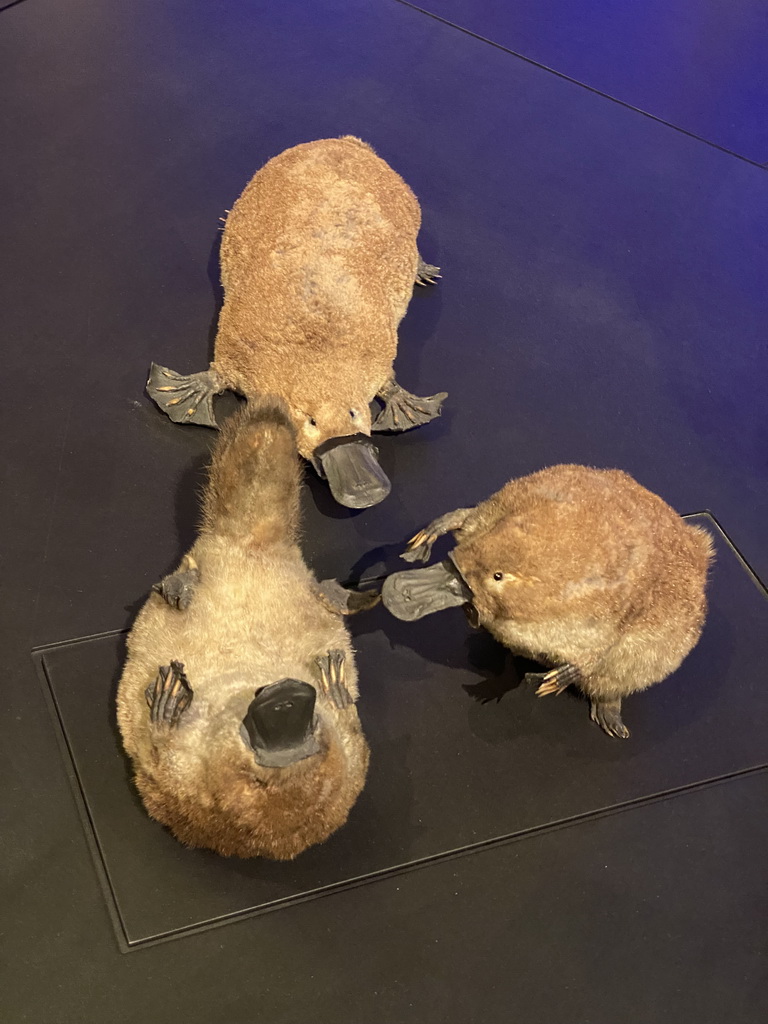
462	755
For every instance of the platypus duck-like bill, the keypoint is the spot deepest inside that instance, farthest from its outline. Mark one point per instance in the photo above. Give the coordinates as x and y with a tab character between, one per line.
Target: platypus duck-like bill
280	723
412	594
352	469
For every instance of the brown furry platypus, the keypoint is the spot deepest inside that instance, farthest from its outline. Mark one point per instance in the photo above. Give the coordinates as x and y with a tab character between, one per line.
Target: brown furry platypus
237	701
580	569
318	263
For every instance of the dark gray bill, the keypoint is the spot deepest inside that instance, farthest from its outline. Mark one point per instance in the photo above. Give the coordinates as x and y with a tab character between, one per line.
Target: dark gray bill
354	475
415	593
278	724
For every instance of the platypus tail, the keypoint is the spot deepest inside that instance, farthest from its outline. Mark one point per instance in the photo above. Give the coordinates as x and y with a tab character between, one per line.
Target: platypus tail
253	483
357	142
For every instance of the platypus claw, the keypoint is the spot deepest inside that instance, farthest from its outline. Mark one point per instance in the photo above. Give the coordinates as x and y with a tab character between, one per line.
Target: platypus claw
420	547
169	696
184	399
179	588
426	273
554	681
332	669
342	601
403	411
607	714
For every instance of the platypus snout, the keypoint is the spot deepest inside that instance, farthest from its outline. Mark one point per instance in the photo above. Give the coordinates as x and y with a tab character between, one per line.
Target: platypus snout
354	475
279	723
415	593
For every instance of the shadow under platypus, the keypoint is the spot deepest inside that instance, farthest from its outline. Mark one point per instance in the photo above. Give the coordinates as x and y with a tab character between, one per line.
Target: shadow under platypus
318	262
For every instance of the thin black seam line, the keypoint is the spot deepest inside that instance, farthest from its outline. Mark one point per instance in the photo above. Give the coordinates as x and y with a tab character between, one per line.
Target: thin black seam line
583	85
13	3
82	800
734	547
40	649
445	855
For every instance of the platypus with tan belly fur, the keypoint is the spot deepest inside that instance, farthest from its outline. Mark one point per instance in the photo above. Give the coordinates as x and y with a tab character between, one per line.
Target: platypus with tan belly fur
237	701
580	569
318	263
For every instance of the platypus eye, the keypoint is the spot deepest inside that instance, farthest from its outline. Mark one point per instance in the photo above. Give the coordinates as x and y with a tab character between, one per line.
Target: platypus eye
498	576
312	422
353	413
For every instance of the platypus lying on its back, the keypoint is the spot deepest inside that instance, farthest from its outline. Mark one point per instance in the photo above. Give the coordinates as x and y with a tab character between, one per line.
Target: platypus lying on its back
580	569
318	263
236	704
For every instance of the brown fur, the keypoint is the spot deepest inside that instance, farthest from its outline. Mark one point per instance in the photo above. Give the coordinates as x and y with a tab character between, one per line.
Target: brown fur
253	620
598	572
318	263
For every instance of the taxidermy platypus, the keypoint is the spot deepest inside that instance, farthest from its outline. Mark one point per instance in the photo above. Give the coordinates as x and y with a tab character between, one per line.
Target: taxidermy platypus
237	702
318	263
580	569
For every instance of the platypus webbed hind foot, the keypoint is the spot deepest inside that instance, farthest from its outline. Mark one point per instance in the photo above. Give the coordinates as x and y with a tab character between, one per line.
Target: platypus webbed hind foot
341	601
404	411
179	588
426	273
607	714
333	678
169	696
420	547
554	681
184	399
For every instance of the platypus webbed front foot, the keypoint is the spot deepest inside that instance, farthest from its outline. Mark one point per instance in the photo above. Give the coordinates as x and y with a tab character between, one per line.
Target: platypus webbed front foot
169	696
184	399
607	714
333	678
403	411
341	601
554	681
420	547
179	588
426	273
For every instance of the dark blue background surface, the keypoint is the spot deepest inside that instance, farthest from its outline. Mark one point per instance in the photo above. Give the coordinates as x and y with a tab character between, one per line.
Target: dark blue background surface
698	64
603	301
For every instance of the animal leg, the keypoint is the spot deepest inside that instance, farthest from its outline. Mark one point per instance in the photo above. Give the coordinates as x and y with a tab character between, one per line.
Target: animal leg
426	273
404	411
607	714
332	669
554	681
420	547
169	696
184	399
341	601
178	588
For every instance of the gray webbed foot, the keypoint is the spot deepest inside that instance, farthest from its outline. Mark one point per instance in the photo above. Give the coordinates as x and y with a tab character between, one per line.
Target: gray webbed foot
342	601
403	411
169	696
419	547
554	681
607	714
426	273
184	399
178	589
332	669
